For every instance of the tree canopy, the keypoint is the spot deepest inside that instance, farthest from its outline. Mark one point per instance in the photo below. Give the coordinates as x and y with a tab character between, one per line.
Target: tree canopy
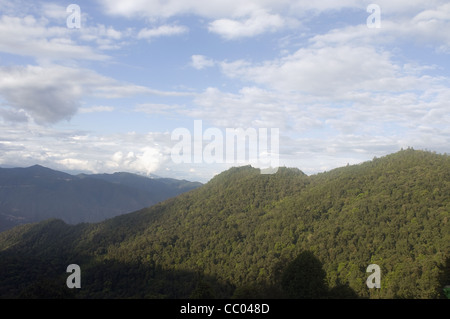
247	234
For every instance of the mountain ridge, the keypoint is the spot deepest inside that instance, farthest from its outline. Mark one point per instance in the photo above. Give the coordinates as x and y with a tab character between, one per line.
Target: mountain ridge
237	234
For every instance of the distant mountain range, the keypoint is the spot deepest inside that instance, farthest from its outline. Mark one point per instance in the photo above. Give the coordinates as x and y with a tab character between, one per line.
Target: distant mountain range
37	193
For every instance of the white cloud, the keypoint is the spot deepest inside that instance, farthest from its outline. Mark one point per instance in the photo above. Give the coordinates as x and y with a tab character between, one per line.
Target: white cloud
259	22
400	111
104	37
250	107
74	164
54	11
163	30
230	19
53	93
322	71
25	144
147	160
39	30
29	36
200	62
216	9
166	9
440	13
420	28
233	19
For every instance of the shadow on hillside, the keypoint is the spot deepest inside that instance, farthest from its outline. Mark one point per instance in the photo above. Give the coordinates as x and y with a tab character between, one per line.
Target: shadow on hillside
305	278
45	278
35	267
302	278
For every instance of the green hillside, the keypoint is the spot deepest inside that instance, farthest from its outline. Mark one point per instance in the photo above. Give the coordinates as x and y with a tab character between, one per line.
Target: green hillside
245	234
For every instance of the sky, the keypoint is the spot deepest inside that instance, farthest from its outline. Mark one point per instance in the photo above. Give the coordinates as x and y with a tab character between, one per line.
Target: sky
103	86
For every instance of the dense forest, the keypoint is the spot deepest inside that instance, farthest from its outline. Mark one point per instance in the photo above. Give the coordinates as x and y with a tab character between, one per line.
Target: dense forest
249	235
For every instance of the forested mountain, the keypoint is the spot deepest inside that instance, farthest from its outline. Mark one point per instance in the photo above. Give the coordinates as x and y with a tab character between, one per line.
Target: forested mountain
37	193
159	188
245	234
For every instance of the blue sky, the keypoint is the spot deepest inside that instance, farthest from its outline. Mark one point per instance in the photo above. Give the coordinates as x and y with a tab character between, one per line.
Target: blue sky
106	96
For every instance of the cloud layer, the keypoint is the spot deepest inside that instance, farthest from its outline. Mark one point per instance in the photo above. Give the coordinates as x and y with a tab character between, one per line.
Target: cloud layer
53	93
339	91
